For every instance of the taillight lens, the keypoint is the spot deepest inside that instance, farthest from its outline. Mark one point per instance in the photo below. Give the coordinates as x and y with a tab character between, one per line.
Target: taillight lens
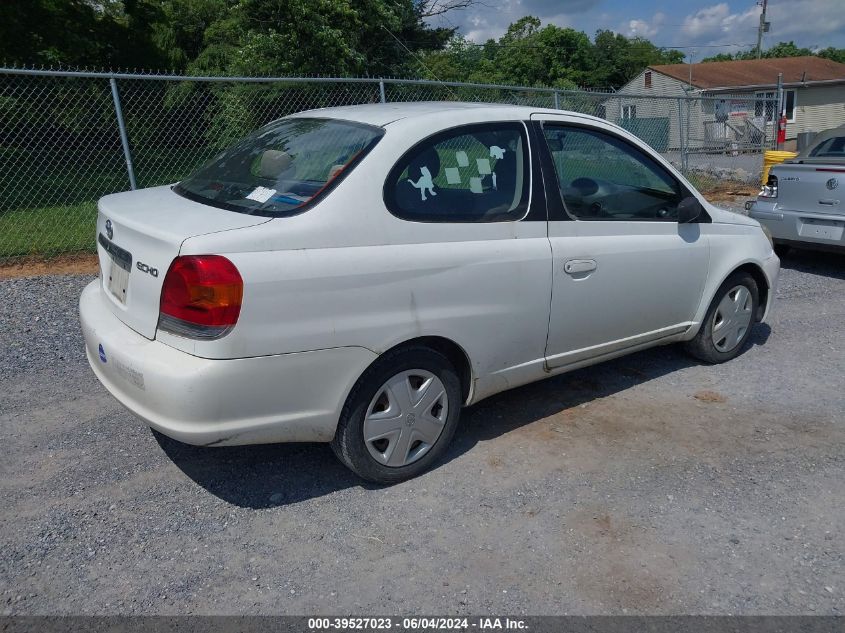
201	297
770	189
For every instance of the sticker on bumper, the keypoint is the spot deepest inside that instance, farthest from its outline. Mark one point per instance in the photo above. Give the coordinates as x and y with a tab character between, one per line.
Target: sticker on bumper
129	374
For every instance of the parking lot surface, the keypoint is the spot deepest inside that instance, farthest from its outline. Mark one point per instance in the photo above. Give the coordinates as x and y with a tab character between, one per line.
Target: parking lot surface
649	484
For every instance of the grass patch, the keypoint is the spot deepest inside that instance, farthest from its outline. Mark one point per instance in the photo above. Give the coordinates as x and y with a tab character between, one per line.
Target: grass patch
704	182
48	231
48	205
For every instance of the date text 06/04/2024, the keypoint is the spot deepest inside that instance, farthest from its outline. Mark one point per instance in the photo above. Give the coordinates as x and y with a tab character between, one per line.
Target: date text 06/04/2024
416	623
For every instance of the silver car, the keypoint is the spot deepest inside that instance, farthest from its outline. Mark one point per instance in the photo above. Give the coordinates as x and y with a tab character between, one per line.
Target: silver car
803	201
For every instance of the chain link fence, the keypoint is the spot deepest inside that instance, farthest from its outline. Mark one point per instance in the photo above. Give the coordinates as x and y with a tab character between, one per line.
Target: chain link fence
68	138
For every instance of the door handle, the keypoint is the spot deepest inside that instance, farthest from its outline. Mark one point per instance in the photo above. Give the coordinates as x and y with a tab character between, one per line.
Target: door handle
574	266
829	202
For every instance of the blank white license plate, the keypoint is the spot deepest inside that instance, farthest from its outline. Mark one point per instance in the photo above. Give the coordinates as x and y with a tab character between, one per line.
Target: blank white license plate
118	281
821	229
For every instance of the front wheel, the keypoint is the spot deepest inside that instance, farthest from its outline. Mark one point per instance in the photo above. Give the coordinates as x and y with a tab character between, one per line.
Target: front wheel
400	416
728	322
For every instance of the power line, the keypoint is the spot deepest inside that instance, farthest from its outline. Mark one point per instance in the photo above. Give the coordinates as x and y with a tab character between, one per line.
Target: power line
419	59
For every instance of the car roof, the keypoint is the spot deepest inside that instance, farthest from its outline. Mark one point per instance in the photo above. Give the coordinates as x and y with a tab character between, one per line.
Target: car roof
382	114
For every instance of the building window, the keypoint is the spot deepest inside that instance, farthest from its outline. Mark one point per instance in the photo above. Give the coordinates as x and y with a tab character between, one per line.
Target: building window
790	105
767	102
765	105
647	79
629	111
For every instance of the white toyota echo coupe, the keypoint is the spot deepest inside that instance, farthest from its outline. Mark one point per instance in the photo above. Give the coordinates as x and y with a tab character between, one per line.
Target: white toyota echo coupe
357	275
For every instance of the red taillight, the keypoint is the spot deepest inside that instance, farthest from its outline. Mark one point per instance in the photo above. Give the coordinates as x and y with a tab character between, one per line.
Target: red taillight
201	296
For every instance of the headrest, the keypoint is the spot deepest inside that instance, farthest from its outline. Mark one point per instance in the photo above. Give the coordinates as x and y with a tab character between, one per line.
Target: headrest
273	163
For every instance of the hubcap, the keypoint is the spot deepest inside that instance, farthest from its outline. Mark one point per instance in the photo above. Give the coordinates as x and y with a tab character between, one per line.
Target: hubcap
732	318
405	418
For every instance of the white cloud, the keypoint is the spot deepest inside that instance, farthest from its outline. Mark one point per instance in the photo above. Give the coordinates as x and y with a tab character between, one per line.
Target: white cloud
644	28
809	22
717	22
714	25
491	18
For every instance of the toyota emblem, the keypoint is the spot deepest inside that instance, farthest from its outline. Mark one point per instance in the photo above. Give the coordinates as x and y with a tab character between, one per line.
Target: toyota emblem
110	229
832	184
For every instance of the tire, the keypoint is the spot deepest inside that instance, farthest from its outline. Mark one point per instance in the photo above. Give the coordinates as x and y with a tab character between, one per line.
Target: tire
782	250
712	348
382	435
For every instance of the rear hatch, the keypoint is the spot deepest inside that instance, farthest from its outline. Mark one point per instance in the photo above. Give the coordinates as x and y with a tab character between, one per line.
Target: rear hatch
139	233
810	187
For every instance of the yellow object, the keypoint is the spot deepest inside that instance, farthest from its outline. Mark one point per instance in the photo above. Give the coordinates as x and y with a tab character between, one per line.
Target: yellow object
774	157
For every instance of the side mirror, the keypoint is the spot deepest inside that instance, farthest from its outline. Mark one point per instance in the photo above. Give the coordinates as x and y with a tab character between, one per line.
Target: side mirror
688	210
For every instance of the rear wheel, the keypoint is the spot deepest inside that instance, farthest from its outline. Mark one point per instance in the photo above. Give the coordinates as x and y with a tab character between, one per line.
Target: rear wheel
728	322
400	416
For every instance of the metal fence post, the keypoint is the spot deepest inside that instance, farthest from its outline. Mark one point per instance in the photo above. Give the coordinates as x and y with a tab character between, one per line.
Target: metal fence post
557	100
781	110
681	130
687	127
381	90
124	140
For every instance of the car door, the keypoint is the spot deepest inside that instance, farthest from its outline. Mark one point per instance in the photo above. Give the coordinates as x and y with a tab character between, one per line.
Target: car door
467	222
626	273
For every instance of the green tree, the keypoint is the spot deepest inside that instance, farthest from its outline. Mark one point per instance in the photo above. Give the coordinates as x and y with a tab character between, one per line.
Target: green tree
181	31
459	60
289	37
534	55
835	54
781	49
319	37
786	49
720	57
530	54
620	59
79	32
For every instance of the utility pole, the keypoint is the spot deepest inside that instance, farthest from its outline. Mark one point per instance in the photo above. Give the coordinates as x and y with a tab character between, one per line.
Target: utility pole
691	62
763	28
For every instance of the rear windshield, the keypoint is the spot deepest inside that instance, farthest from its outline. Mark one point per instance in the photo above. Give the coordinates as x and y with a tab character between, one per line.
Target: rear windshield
282	167
833	147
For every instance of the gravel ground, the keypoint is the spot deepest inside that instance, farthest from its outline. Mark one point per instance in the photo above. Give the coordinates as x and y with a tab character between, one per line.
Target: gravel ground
650	484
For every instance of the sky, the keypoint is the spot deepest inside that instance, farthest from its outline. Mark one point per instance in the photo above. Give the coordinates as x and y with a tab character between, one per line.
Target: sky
701	27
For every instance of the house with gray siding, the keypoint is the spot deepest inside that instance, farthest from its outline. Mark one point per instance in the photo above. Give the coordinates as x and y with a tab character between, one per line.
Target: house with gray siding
736	104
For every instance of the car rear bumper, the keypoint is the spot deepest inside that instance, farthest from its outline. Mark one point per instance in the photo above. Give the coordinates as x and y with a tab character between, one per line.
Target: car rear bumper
281	398
785	225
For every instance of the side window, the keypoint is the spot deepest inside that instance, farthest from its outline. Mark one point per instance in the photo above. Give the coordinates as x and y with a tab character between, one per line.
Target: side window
832	147
477	173
602	177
